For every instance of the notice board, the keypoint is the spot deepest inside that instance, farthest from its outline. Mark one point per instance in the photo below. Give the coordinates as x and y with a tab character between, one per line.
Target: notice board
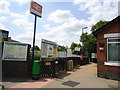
48	49
15	51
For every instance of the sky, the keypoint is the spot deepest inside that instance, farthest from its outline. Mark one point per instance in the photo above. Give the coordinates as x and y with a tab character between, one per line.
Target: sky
62	20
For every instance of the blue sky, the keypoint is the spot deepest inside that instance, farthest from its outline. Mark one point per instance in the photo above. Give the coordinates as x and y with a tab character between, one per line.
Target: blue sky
61	22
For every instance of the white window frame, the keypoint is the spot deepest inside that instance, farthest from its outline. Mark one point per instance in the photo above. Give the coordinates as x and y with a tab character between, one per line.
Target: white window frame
112	63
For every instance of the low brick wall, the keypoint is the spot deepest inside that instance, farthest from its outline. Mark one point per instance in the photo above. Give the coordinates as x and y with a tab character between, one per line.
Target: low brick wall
109	72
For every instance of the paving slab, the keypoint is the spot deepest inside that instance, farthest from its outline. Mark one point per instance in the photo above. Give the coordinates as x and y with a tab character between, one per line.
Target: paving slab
82	77
27	84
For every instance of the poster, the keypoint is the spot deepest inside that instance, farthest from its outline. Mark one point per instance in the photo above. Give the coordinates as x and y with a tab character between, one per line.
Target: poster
15	51
48	49
55	51
44	50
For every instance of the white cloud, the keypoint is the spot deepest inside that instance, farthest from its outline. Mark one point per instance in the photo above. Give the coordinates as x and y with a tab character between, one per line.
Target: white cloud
21	2
61	16
99	10
66	33
47	26
3	18
70	28
3	27
4	7
25	15
22	21
4	10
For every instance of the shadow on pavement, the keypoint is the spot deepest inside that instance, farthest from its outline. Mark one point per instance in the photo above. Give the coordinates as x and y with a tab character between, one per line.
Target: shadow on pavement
62	75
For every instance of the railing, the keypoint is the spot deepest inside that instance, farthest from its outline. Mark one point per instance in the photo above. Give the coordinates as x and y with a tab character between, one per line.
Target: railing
53	68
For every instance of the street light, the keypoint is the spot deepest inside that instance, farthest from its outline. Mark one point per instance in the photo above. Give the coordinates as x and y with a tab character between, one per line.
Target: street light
83	40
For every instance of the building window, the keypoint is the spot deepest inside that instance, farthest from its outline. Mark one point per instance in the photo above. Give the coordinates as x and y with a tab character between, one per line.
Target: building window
113	49
4	35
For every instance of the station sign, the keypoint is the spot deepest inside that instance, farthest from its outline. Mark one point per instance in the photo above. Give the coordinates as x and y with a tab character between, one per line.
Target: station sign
36	8
77	49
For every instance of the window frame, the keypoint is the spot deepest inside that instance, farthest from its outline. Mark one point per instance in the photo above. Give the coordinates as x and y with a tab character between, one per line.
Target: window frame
107	47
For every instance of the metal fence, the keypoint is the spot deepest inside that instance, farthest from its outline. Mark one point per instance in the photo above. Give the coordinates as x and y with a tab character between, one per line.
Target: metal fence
50	69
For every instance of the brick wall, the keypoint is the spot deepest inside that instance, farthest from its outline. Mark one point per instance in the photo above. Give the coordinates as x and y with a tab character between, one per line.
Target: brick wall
106	71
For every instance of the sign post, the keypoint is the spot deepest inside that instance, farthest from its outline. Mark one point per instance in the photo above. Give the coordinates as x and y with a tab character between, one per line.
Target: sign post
35	9
34	38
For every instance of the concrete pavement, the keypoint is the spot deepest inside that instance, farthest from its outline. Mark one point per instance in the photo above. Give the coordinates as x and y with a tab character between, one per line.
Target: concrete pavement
82	77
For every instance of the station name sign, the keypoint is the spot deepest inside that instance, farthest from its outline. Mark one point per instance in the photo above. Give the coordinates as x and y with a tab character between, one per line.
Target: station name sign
36	9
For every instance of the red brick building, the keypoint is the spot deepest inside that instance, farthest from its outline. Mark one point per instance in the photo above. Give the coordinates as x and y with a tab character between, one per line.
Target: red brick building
108	50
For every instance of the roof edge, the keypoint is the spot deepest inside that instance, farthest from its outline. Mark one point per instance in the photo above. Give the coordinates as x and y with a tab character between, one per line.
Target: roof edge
105	26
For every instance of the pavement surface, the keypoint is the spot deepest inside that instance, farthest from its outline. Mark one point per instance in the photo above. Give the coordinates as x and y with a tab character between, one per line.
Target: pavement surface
81	77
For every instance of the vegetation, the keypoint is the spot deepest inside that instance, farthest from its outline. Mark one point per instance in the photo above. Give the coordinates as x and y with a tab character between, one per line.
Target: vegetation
90	40
98	25
48	59
89	44
72	47
62	48
36	53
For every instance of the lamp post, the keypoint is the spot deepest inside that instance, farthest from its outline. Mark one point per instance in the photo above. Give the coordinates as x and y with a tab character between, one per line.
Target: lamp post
83	40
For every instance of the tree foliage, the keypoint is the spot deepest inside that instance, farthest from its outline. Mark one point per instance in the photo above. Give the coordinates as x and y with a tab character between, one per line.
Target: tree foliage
90	39
72	47
89	44
62	48
98	25
36	48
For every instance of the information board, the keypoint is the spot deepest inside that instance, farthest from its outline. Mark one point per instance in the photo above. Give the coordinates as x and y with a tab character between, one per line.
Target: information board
48	49
15	51
62	54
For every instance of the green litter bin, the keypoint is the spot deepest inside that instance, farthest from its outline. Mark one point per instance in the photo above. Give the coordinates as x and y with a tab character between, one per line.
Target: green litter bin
36	70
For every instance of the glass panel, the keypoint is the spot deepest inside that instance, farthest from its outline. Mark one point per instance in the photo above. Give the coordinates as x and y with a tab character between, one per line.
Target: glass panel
113	52
4	35
113	40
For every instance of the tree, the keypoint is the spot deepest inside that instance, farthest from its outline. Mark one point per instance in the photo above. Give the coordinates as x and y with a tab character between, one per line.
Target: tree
72	47
89	44
36	48
62	48
90	40
98	25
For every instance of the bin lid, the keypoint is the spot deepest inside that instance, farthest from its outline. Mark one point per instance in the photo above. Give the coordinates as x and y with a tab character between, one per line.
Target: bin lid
36	61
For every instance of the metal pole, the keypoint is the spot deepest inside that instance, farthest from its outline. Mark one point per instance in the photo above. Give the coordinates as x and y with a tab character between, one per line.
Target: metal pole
66	52
82	42
1	46
34	38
